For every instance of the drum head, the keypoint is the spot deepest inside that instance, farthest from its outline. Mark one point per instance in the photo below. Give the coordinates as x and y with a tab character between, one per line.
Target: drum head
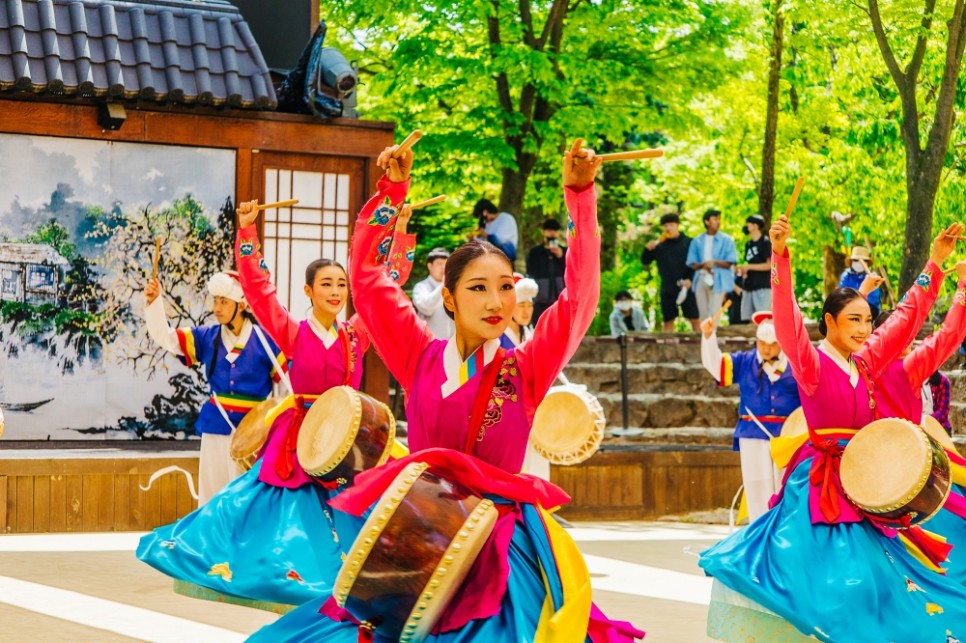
568	426
330	424
886	464
938	433
795	424
251	432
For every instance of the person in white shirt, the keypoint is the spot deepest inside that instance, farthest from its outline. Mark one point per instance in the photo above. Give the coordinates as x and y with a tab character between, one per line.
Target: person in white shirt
428	296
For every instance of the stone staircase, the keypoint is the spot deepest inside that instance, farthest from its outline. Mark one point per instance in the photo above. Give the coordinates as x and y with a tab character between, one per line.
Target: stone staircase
673	402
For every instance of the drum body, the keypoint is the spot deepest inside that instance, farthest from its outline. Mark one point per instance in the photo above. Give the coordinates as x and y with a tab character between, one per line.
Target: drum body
413	553
344	433
895	472
249	436
568	426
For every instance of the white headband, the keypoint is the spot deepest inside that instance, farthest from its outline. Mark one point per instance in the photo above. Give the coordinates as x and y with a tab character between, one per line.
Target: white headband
766	332
224	285
526	289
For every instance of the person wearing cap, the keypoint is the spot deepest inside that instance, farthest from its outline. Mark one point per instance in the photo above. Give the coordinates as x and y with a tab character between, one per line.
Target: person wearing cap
626	316
671	253
767	395
756	271
234	354
712	255
545	264
853	275
428	296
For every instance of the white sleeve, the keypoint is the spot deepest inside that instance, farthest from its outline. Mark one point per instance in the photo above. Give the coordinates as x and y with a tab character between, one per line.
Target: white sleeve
711	355
158	328
426	298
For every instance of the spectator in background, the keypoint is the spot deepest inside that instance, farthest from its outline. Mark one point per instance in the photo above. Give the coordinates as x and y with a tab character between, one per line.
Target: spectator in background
627	315
756	271
428	296
671	253
712	255
853	275
545	265
939	388
520	328
499	228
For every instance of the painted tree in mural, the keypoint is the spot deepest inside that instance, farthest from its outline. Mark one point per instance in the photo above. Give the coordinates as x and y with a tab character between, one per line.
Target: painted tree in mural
193	248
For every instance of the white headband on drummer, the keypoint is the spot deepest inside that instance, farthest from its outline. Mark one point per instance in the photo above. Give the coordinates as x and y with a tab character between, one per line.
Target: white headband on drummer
766	327
526	288
226	284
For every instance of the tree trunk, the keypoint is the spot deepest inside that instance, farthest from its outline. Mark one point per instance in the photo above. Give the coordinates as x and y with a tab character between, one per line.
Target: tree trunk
766	193
919	211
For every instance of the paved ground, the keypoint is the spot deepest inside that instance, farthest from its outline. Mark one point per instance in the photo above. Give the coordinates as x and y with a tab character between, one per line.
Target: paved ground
89	587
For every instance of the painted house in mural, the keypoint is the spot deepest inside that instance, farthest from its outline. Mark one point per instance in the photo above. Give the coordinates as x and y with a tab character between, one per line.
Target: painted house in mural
123	120
30	273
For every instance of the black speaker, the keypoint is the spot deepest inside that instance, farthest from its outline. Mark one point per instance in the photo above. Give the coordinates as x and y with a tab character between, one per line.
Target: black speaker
281	27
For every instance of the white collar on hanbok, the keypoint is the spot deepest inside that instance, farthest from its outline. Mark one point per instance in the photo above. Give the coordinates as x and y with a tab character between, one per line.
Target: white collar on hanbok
847	366
775	369
230	339
458	371
327	335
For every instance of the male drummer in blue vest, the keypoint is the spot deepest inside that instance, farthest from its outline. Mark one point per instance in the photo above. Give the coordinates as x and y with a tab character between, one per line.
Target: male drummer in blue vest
768	394
241	363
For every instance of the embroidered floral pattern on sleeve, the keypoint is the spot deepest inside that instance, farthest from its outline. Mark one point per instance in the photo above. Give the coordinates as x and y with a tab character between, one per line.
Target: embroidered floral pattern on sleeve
924	280
383	214
571	227
774	273
960	296
247	247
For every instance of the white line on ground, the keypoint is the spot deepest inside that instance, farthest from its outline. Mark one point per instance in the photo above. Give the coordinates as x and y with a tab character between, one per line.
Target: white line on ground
620	576
125	620
126	541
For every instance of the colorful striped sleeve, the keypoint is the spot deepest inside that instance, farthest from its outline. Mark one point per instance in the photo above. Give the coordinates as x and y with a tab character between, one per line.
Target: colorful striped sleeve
186	342
726	376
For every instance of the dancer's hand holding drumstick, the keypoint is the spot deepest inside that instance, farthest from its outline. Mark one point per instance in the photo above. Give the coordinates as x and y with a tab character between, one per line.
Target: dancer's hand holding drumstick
397	163
579	166
869	283
152	290
247	212
945	242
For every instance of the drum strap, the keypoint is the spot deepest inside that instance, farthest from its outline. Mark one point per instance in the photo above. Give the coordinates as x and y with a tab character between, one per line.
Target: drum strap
347	351
483	395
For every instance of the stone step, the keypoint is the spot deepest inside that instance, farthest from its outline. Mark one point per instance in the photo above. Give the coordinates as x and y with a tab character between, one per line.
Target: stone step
618	437
669	379
660	411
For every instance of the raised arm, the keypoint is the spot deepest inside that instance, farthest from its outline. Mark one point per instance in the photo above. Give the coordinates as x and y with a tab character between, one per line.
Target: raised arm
157	319
399	335
714	361
889	340
562	326
259	291
789	326
930	355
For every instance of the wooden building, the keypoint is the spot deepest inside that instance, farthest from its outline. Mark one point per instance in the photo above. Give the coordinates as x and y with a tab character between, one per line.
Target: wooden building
171	73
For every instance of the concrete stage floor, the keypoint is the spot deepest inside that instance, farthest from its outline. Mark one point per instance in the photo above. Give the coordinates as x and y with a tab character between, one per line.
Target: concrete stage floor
90	587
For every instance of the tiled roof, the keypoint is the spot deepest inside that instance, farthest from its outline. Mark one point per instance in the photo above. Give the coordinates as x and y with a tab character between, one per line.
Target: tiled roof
168	51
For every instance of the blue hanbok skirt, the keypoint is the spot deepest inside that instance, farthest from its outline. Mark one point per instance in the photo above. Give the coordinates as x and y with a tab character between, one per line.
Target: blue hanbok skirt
256	542
845	582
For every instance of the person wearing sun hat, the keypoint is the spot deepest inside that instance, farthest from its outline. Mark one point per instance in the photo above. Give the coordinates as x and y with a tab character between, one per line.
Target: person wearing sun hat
852	277
768	394
234	356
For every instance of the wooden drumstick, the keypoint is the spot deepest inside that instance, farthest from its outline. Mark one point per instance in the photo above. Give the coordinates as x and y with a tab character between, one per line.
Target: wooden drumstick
632	155
865	266
721	311
408	142
427	202
157	257
277	204
795	192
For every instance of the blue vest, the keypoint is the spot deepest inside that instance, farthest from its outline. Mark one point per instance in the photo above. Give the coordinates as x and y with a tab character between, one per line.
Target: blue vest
239	385
771	402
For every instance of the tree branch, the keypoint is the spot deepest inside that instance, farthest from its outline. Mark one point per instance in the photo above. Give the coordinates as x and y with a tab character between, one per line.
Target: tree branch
527	19
502	82
941	129
884	47
556	16
912	70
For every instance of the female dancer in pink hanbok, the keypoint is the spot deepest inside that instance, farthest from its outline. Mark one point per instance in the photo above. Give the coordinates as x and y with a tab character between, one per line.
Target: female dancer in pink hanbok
529	582
269	539
814	559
